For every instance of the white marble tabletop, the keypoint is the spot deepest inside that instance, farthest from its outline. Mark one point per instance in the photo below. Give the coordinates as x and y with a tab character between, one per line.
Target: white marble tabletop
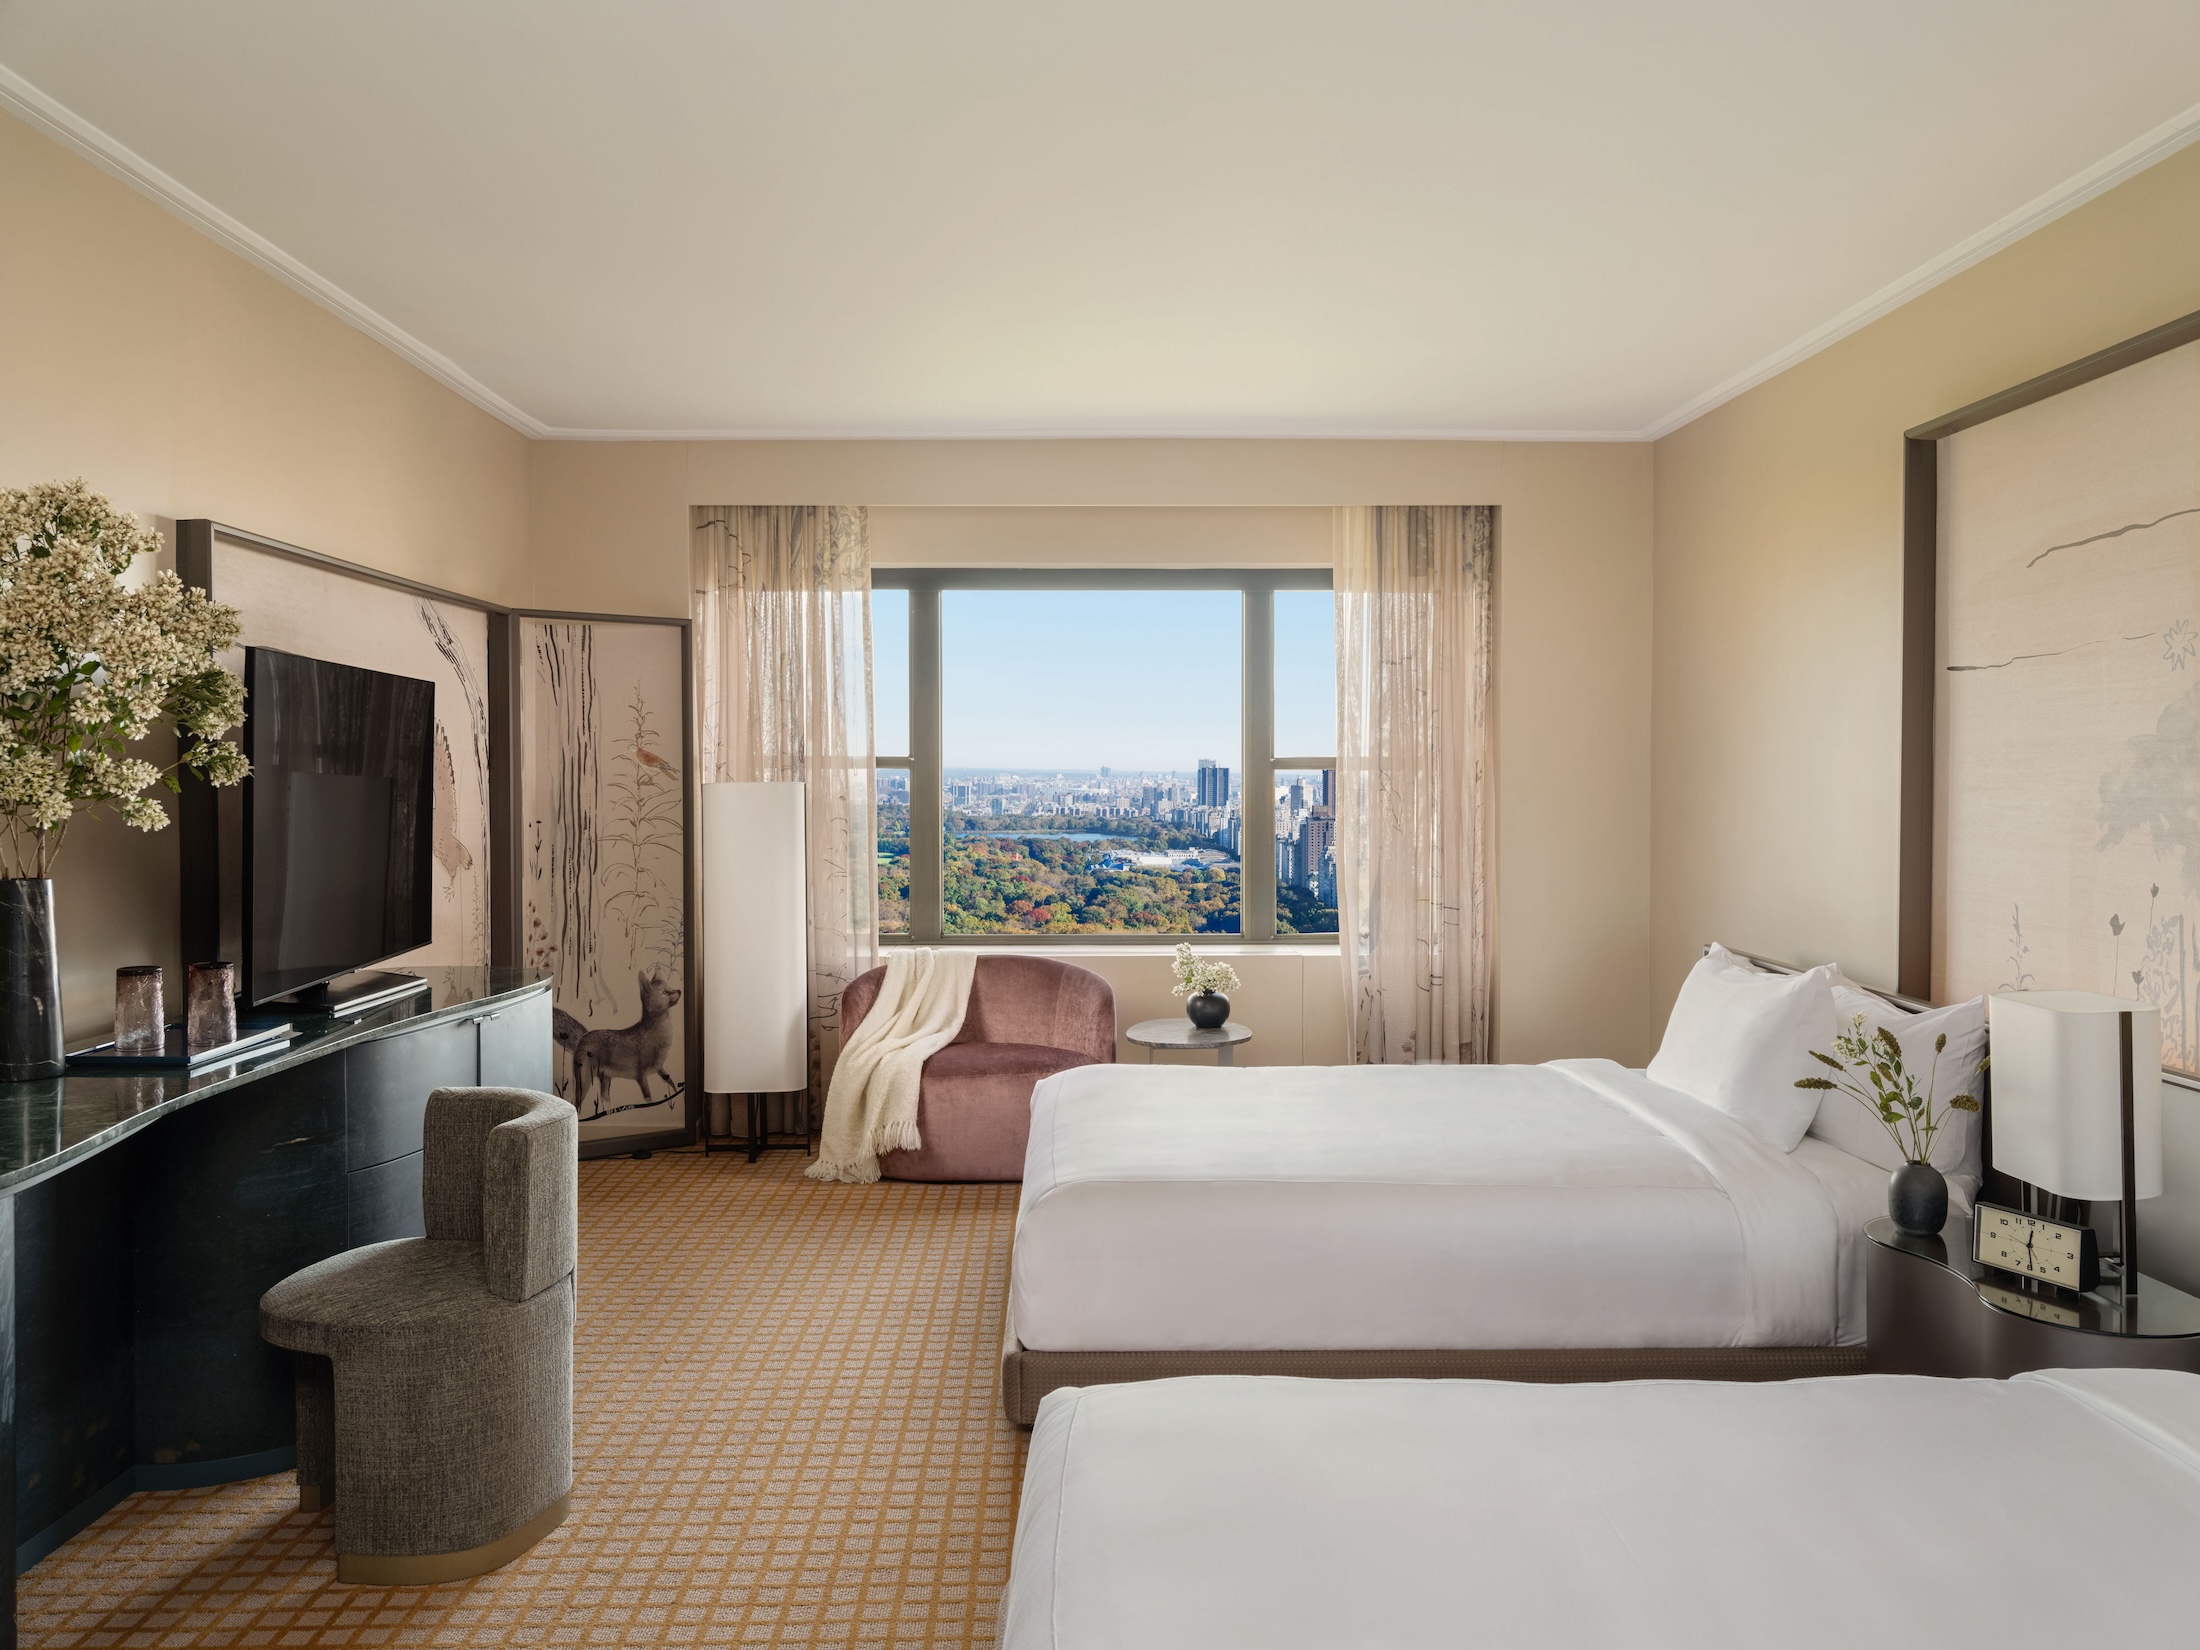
1180	1033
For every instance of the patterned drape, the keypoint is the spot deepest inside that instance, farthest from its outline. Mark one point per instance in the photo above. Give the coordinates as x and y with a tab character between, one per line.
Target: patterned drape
1413	780
783	683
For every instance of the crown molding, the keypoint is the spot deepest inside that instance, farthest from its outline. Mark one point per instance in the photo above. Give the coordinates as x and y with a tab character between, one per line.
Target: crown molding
1157	431
44	113
32	106
2133	158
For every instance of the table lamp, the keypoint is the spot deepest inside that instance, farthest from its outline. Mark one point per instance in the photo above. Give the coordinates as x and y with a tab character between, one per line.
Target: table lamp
2077	1097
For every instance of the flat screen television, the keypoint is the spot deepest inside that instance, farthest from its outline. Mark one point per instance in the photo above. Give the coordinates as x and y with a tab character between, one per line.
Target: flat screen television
339	822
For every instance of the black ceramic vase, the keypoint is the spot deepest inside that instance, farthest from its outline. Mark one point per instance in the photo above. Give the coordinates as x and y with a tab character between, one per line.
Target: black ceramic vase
1208	1010
30	981
1917	1199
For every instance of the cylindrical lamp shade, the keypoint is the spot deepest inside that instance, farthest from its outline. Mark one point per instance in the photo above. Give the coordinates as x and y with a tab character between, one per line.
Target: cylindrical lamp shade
756	959
2058	1091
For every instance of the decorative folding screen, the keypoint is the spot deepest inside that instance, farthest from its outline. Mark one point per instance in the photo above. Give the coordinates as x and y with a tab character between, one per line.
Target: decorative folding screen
603	892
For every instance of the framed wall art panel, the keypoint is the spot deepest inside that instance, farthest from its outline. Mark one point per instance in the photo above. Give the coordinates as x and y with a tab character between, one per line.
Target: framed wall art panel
299	602
2063	819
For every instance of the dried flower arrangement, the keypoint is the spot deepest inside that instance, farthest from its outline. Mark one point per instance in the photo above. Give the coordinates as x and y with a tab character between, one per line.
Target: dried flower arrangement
90	663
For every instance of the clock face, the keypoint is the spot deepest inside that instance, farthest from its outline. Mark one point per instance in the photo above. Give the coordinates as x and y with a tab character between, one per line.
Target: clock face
2027	1245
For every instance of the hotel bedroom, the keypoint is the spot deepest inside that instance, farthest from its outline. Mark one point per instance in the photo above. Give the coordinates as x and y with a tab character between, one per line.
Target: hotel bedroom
809	545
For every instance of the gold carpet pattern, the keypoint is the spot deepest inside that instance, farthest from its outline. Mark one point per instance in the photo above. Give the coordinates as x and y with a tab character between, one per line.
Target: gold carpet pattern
787	1430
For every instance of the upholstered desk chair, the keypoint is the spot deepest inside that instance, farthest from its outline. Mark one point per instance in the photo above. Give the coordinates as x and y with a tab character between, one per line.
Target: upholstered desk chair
435	1374
1029	1017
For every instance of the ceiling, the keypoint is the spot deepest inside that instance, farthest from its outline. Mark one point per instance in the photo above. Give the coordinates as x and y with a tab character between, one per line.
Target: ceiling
1153	217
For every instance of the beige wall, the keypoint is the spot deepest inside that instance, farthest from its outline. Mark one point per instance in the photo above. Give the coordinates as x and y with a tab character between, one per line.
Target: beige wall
1777	680
180	381
1573	664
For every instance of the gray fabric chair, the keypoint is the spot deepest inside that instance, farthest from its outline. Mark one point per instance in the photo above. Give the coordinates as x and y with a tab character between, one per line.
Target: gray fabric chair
435	1374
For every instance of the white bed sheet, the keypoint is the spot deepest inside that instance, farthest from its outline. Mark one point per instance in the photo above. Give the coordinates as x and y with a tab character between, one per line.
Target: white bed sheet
1307	1515
1575	1204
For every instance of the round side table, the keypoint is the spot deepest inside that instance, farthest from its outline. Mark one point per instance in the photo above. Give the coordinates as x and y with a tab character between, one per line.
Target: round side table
1181	1033
1933	1310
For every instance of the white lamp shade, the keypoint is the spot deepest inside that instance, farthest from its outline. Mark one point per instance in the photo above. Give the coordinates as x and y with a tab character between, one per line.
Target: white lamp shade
2058	1091
756	964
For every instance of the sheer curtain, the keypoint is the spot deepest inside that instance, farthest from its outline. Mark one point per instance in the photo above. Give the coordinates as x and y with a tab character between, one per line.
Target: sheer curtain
1413	780
783	689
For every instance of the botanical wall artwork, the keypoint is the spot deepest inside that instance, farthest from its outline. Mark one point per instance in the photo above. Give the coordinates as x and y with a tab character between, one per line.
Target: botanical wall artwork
323	614
603	828
2067	802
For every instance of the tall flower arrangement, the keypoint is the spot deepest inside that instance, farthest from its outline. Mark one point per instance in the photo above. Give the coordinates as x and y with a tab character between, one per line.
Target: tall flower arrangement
1867	1067
90	664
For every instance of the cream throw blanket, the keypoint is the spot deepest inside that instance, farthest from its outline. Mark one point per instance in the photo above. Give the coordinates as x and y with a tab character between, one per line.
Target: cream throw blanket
872	1105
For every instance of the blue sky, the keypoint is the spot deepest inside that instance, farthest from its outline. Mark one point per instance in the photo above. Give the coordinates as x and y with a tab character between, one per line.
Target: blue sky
1126	679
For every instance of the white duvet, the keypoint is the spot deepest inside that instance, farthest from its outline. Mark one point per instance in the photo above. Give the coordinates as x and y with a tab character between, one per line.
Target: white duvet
2054	1509
1576	1204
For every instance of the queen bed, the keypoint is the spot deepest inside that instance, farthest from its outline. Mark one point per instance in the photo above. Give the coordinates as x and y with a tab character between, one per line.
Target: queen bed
2055	1508
1571	1221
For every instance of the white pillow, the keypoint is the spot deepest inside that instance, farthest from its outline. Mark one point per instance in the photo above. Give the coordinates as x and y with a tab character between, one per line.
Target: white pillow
1738	1040
1842	1121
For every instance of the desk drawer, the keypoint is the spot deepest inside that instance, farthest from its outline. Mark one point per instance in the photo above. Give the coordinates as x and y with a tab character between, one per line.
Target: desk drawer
515	1046
383	1202
387	1083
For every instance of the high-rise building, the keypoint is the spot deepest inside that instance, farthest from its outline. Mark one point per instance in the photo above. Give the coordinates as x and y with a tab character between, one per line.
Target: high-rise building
1214	784
1316	832
1329	788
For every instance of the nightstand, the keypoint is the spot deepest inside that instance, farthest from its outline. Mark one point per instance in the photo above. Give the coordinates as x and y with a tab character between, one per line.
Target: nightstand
1933	1310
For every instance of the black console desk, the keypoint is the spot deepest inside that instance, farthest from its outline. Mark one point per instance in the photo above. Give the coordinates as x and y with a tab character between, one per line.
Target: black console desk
141	1218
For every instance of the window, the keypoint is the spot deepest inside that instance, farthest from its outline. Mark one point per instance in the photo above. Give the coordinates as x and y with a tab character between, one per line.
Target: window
1079	754
1306	779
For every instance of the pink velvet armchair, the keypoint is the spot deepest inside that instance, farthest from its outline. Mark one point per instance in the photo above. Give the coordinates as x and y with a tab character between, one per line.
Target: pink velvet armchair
1029	1018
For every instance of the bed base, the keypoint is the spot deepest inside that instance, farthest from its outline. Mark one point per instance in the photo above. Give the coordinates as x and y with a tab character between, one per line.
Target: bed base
1028	1376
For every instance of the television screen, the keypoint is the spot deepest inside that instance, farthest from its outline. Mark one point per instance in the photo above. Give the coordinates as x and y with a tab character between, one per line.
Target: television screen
339	820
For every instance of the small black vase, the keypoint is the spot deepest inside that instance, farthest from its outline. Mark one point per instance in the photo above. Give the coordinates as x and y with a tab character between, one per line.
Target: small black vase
1917	1199
30	981
1209	1010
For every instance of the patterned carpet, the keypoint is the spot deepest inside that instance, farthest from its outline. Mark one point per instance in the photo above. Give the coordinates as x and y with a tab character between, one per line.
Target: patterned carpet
788	1431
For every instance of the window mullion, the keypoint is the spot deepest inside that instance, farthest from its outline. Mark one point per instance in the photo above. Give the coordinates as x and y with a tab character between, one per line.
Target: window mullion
927	848
1257	797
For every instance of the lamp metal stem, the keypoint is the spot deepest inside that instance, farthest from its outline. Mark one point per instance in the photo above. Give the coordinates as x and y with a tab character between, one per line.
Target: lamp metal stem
2130	1218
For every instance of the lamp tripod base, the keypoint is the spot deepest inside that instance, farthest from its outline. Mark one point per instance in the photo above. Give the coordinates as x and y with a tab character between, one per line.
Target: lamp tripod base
761	1137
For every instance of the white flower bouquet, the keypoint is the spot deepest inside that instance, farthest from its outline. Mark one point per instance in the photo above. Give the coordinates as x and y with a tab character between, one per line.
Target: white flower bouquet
90	664
1195	978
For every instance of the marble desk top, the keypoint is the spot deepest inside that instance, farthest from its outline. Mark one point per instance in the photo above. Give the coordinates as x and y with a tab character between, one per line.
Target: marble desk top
50	1123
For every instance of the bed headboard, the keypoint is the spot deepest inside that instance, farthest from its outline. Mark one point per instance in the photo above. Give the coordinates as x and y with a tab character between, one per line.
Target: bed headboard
1770	965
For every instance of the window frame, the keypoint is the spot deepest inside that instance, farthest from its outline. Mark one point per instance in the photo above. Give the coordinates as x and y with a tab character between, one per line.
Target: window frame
1256	586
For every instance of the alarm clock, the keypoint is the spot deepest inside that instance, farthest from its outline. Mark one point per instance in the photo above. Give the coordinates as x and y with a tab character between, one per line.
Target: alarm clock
2052	1251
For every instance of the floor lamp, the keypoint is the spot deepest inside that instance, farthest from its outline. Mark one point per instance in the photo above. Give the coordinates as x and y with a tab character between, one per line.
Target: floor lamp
756	963
2078	1102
